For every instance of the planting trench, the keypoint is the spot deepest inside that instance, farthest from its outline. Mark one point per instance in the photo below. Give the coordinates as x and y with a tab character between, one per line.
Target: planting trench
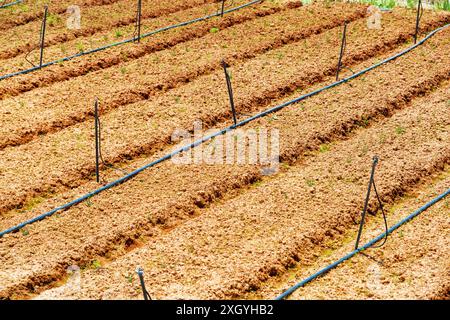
235	244
106	216
149	125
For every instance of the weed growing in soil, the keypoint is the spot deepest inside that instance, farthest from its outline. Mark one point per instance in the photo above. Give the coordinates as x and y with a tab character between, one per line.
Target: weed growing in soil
400	130
96	264
24	232
214	30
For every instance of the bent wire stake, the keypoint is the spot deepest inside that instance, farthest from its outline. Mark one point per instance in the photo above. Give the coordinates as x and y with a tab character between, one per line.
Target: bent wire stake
341	54
42	37
219	133
369	244
366	203
132	39
418	17
230	90
140	273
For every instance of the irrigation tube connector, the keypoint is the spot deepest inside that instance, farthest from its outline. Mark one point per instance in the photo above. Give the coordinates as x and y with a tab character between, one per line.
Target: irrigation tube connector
364	247
230	90
111	45
211	136
140	273
10	4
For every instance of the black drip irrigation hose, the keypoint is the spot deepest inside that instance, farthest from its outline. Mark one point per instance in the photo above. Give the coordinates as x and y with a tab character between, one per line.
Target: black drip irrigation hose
219	133
3	6
368	245
133	39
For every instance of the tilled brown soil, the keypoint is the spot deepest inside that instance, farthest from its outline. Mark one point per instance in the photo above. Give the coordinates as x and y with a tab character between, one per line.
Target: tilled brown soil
232	246
123	54
23	14
172	69
156	126
22	39
70	226
414	263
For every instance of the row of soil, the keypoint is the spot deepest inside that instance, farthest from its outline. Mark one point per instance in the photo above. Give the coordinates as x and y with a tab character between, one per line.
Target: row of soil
234	245
141	78
64	159
116	220
25	38
25	13
122	54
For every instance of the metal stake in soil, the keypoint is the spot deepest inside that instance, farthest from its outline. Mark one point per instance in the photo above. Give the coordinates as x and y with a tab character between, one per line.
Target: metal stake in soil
42	39
230	90
97	141
419	16
363	216
138	20
140	273
341	54
223	8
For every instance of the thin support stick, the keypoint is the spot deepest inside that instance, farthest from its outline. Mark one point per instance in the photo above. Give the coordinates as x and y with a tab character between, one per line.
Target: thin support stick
341	53
363	216
42	40
140	273
419	9
97	142
138	22
230	90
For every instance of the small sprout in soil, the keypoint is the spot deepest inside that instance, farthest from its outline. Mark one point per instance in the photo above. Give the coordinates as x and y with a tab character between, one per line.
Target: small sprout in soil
53	19
400	130
80	47
96	264
280	55
214	30
310	183
177	99
129	278
89	203
118	34
123	70
24	232
324	148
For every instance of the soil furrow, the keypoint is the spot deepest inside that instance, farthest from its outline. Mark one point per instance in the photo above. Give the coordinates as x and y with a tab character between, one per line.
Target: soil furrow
160	204
149	126
95	20
231	247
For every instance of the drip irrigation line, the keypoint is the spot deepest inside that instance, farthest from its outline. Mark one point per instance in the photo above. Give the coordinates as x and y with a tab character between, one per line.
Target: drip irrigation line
213	135
3	6
133	39
364	247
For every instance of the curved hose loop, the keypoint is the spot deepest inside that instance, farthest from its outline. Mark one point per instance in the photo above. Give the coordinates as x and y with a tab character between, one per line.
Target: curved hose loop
115	44
3	6
370	244
211	136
